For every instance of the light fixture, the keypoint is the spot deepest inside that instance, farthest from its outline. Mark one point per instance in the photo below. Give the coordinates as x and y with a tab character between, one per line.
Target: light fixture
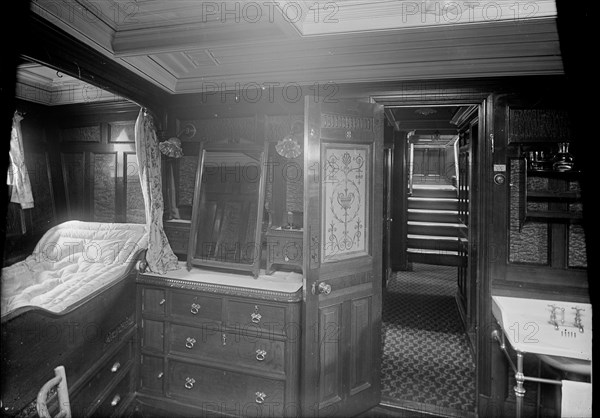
172	146
425	111
289	146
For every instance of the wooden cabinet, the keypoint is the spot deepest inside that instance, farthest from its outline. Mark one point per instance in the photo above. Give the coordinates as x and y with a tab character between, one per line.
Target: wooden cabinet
218	348
284	248
178	233
551	196
107	389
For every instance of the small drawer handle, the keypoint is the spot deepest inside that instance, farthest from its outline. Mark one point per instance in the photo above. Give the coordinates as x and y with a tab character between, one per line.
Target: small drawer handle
260	354
255	316
115	367
115	401
189	382
195	308
189	342
162	302
160	375
260	397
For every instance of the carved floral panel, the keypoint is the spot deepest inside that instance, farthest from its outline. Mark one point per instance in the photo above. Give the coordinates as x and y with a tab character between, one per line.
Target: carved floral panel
345	202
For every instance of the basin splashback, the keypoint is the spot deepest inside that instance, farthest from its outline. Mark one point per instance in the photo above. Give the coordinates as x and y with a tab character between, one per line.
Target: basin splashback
528	326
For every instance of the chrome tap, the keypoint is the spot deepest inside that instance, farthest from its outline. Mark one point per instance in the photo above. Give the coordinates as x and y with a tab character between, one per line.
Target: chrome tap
553	309
578	322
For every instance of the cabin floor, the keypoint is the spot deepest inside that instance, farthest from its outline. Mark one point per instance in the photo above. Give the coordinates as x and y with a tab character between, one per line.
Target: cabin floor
427	364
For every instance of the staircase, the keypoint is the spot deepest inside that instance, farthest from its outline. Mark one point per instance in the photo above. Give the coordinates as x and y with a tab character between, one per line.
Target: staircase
433	227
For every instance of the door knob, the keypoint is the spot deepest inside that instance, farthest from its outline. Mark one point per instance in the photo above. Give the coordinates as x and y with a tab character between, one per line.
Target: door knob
324	288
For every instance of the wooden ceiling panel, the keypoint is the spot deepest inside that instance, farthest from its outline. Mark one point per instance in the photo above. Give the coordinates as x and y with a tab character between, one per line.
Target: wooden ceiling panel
181	45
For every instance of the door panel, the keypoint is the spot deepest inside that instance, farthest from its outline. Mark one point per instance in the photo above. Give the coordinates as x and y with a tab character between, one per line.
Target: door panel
343	212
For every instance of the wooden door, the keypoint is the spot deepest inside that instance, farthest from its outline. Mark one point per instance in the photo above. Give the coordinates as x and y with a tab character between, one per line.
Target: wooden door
388	174
343	211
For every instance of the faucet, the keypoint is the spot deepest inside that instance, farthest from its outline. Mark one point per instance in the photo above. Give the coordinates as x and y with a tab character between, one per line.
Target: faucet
578	322
553	309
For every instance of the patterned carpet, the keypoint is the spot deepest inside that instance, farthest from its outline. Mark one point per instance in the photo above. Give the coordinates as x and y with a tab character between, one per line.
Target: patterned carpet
427	364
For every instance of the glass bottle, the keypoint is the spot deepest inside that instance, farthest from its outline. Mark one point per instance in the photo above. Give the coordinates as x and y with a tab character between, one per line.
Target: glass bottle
563	160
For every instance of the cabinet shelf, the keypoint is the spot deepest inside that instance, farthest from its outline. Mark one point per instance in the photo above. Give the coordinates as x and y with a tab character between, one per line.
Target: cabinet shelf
554	215
557	196
553	195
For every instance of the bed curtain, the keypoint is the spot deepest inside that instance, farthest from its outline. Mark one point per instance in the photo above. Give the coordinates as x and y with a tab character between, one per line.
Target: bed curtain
18	177
159	256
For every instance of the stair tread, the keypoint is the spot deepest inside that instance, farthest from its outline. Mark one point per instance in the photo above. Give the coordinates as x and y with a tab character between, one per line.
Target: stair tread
432	237
427	251
433	199
449	224
434	211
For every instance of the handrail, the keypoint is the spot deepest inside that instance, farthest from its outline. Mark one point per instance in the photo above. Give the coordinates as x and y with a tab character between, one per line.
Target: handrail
411	160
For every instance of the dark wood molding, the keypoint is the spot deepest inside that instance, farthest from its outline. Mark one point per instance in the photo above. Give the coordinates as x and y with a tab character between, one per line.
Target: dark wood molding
49	45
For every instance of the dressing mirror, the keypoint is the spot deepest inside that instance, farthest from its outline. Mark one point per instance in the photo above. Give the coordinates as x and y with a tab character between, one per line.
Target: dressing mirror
227	210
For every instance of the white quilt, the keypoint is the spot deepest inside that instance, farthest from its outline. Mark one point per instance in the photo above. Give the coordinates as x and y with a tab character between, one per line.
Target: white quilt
71	261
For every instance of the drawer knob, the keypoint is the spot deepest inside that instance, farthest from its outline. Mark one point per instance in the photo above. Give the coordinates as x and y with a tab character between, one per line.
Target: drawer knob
189	342
260	397
224	338
255	316
162	302
115	367
260	354
160	375
195	308
115	401
189	382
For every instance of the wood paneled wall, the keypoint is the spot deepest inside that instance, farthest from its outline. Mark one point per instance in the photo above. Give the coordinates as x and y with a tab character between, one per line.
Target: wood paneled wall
81	164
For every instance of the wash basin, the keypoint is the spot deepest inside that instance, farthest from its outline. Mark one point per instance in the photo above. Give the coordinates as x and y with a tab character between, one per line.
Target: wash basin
527	325
568	364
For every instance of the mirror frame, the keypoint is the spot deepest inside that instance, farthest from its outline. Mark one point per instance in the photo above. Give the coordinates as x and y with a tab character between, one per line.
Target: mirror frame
192	259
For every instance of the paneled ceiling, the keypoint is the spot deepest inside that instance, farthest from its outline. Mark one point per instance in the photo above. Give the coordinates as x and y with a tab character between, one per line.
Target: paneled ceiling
190	46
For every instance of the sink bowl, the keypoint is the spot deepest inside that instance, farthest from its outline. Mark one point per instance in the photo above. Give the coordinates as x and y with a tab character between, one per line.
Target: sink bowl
567	364
526	324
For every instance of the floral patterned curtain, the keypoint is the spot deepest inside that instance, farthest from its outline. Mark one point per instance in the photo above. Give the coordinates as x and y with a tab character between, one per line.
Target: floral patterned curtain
159	256
18	176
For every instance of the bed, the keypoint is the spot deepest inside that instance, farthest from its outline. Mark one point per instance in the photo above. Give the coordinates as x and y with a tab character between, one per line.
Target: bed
71	302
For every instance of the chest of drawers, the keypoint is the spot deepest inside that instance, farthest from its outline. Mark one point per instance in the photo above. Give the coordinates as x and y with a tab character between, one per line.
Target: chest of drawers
218	348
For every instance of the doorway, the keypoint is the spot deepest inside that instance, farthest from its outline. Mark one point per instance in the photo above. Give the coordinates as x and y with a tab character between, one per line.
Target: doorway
429	360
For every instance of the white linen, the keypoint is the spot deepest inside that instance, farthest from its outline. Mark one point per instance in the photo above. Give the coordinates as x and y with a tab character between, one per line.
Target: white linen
71	261
576	399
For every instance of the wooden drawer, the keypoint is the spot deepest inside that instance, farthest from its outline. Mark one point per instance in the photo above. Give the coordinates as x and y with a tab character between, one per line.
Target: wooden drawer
153	335
153	300
264	354
113	402
195	307
152	374
258	317
83	400
223	391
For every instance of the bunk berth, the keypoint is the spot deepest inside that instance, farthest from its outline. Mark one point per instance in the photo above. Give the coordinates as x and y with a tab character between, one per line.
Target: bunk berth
72	303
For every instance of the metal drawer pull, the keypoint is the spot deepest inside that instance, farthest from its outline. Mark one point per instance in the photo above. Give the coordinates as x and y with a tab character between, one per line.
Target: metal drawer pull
115	401
224	339
115	367
260	397
189	342
189	382
162	302
160	375
261	354
195	308
255	316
